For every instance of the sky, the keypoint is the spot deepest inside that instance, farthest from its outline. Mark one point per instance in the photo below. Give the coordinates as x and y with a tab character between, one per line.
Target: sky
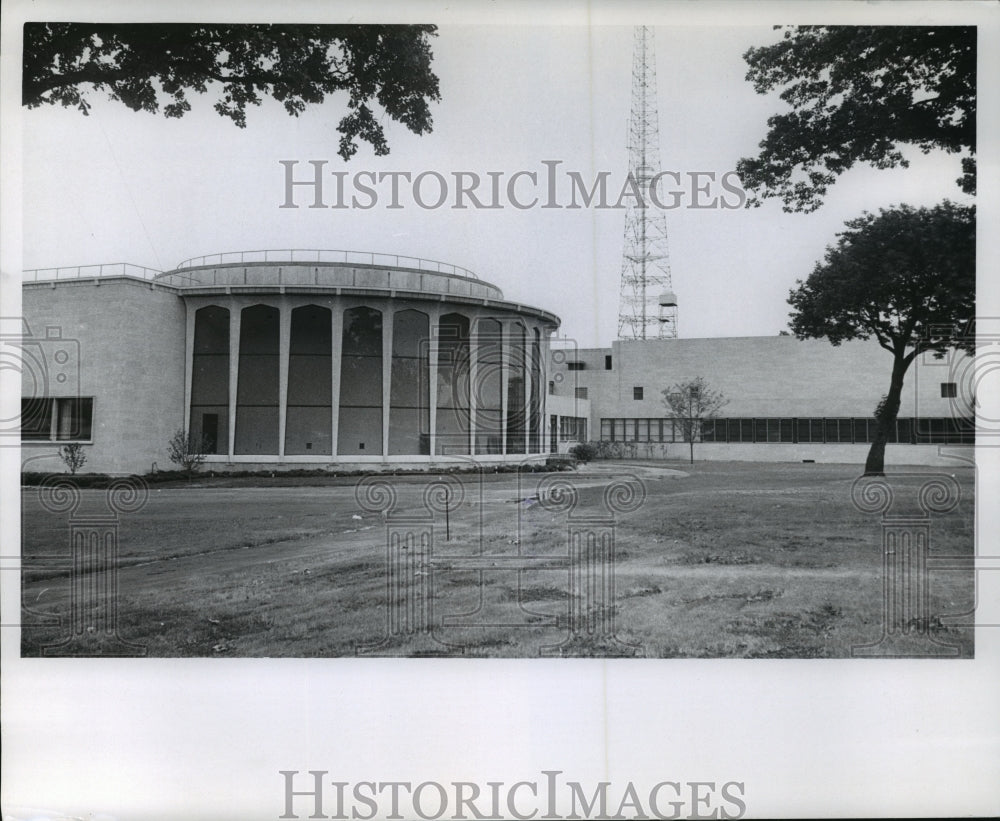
136	187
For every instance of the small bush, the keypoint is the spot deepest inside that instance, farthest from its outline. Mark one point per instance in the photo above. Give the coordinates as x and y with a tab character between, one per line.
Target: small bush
187	450
73	456
583	452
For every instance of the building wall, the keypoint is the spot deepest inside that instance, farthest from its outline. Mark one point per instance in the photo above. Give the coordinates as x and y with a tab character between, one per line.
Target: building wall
761	376
133	352
777	376
125	343
419	374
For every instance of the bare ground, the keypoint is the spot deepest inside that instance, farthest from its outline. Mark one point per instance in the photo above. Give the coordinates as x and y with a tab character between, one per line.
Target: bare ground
709	560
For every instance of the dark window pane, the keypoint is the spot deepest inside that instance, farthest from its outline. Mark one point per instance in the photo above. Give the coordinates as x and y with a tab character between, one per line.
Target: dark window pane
36	418
359	430
802	430
845	430
409	402
832	431
74	419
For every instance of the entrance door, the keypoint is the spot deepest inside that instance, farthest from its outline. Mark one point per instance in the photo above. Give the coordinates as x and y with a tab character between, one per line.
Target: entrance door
210	432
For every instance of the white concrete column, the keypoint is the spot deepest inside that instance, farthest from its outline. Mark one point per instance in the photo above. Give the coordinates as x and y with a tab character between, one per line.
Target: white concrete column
235	317
336	342
190	311
505	336
435	318
473	376
284	347
387	317
529	339
543	396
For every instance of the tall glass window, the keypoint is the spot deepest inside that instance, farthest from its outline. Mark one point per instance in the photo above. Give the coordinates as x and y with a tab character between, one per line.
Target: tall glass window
210	379
535	402
308	415
453	385
409	404
360	426
489	387
517	417
257	385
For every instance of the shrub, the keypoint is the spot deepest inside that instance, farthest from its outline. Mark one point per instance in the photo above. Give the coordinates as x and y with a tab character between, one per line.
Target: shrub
73	456
187	450
583	452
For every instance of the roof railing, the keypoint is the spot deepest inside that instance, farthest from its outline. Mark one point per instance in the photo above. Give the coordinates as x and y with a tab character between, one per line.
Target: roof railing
322	255
107	269
110	269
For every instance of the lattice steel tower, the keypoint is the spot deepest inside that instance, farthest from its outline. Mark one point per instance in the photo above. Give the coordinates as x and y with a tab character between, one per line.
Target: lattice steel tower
647	305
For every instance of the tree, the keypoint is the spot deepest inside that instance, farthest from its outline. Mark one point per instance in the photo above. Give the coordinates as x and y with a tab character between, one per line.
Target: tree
857	93
73	457
187	450
298	65
906	277
690	403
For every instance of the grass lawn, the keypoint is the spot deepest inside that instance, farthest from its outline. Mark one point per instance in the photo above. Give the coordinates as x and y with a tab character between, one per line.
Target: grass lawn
743	560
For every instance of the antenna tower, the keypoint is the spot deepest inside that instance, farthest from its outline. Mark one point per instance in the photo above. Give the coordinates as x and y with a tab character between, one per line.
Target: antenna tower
647	304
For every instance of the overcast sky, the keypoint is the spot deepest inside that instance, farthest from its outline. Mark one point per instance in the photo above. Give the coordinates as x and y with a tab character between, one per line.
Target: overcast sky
123	186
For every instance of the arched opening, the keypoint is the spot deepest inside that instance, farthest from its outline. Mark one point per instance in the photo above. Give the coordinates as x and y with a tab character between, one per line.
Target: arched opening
360	420
409	395
516	408
453	426
488	388
209	421
257	385
308	413
535	402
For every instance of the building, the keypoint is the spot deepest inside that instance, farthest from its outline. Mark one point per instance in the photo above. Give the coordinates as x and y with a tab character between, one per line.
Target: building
281	359
343	360
788	399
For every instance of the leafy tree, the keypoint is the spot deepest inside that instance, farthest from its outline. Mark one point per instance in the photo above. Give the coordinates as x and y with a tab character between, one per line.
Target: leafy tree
857	93
298	65
187	450
906	277
690	403
73	457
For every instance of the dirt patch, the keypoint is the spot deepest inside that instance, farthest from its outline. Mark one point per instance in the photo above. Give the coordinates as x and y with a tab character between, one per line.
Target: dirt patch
736	560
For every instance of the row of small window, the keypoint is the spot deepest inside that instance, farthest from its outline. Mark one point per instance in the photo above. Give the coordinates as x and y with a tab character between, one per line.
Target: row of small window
793	430
64	419
582	366
572	429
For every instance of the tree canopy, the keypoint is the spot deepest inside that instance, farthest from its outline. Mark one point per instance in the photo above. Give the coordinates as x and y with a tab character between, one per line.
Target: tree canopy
906	277
690	403
858	93
297	65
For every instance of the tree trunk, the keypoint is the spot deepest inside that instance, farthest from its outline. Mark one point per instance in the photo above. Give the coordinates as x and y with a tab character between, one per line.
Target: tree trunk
875	464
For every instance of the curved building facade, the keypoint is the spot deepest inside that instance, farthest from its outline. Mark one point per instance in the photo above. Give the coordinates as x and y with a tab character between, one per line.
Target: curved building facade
293	358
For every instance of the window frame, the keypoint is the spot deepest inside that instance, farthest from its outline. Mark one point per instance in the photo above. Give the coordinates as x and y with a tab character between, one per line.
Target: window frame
54	406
